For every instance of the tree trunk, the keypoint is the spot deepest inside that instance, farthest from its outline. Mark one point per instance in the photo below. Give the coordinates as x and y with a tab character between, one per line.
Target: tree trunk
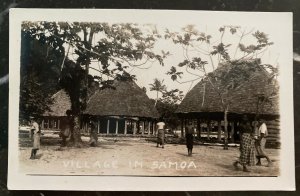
156	98
225	130
76	135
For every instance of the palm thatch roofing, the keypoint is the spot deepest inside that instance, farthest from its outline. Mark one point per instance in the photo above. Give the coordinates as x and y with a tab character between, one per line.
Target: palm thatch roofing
61	103
256	96
126	98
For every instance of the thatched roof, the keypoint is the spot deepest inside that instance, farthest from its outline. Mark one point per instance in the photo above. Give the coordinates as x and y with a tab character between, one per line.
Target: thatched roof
125	99
61	103
242	100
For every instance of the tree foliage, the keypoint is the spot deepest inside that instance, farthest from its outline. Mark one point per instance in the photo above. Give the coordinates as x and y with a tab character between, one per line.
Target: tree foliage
117	47
39	76
113	47
231	62
225	66
157	86
167	106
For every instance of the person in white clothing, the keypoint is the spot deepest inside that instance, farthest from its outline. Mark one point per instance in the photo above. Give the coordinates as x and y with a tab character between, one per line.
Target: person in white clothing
160	133
261	142
36	137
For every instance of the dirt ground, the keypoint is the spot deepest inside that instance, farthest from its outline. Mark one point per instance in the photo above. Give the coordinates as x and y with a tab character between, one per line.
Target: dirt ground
137	157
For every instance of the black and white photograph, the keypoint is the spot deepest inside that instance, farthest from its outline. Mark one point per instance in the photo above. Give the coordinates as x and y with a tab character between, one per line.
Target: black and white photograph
126	99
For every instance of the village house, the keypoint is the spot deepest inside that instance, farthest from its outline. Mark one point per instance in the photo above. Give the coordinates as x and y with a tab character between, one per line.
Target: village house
123	109
61	103
256	97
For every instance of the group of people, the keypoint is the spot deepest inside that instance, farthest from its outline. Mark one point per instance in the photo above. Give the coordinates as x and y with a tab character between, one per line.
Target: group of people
252	145
189	136
65	133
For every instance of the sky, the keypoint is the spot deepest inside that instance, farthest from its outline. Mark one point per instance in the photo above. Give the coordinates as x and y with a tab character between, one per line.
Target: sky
273	24
151	70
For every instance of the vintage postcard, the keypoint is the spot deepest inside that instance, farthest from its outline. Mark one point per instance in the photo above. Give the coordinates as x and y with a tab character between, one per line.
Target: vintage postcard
150	100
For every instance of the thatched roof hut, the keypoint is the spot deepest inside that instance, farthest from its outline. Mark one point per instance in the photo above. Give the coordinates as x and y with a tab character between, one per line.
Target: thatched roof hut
257	95
126	98
61	103
123	109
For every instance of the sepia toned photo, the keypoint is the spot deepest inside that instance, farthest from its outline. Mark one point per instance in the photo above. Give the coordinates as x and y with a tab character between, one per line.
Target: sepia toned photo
136	95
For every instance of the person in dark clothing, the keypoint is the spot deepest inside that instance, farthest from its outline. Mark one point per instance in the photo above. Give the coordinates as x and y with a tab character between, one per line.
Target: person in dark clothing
93	134
247	148
66	127
189	135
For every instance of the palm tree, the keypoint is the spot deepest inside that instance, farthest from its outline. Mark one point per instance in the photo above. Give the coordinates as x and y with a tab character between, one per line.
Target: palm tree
157	86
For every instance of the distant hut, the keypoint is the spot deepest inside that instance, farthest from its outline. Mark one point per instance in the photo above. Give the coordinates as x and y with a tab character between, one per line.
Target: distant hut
61	103
123	109
256	97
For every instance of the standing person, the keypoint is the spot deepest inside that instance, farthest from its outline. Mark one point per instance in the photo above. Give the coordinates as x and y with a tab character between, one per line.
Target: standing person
66	127
36	136
93	134
160	133
261	142
189	135
246	146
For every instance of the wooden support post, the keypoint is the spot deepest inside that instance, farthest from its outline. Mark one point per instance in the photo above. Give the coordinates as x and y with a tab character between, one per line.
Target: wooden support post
98	125
198	129
43	124
182	126
153	128
232	132
48	123
208	129
219	130
149	127
138	127
117	126
143	127
134	127
201	130
107	129
125	129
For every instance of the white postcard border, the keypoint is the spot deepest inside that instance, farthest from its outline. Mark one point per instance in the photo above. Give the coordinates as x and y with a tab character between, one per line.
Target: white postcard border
286	180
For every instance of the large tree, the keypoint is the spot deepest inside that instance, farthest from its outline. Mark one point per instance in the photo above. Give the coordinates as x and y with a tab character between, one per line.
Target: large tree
114	47
223	65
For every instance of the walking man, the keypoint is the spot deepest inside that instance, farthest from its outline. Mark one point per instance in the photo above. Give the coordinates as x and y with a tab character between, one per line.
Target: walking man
160	133
36	136
189	138
261	142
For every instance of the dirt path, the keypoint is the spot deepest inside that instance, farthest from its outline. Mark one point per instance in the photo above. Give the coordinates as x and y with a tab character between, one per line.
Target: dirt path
139	158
